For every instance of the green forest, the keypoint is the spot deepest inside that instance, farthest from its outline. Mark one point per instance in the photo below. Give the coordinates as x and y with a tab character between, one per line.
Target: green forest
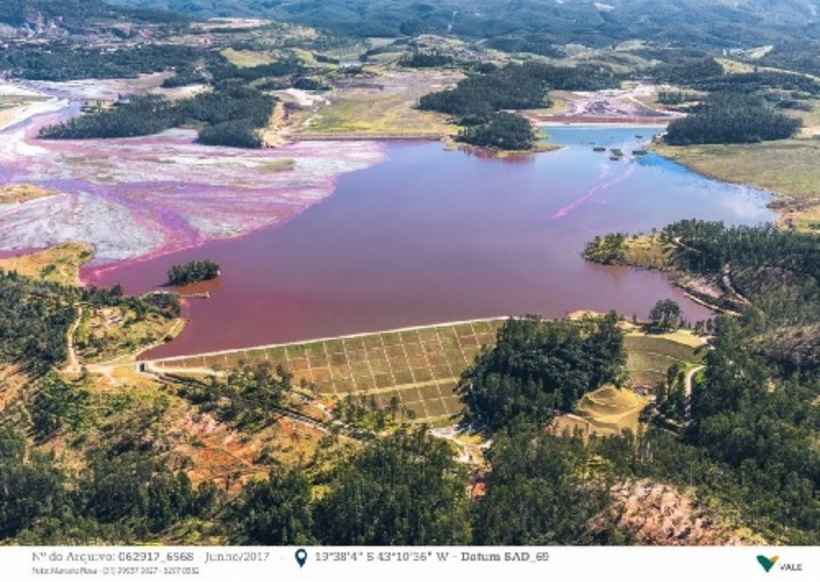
500	130
731	118
538	368
65	61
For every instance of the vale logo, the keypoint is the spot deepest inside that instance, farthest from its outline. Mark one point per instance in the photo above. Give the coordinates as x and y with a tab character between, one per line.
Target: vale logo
767	563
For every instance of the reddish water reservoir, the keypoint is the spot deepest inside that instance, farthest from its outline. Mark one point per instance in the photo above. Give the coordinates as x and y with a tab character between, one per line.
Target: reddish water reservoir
432	235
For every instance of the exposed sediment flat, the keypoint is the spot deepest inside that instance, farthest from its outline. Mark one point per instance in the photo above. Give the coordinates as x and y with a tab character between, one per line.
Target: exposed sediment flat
131	198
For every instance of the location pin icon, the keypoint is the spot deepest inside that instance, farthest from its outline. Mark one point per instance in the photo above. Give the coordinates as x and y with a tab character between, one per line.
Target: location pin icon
301	557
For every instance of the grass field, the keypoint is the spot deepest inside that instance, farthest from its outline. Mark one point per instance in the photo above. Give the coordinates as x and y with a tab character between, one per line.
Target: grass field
420	366
383	106
649	358
245	58
59	264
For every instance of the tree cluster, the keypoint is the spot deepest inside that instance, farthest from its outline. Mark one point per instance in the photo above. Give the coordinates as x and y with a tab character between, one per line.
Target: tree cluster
193	272
511	87
501	130
665	316
64	61
538	367
515	86
425	60
732	118
609	249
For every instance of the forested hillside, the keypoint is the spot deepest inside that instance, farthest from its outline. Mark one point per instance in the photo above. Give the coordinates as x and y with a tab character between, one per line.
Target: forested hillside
35	318
78	14
750	433
691	22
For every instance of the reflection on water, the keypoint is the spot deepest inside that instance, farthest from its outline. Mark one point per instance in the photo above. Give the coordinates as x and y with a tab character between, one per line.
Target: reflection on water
434	235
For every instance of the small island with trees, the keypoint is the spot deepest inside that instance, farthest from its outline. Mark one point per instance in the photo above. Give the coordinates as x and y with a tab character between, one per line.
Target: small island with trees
193	272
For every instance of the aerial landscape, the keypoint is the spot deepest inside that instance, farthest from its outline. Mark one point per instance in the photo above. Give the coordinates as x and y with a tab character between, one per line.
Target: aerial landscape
398	273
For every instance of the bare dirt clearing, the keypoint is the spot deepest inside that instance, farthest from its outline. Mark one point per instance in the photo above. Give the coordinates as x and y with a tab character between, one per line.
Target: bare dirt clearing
660	514
627	105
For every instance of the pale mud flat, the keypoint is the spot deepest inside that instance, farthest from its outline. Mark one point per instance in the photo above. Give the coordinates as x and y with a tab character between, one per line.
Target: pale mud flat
139	197
31	103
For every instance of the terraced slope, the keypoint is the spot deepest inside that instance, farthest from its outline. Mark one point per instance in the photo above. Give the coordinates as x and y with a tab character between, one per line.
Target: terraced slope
420	366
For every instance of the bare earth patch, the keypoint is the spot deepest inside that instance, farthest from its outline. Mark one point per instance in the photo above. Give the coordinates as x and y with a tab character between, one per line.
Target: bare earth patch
607	411
246	58
660	514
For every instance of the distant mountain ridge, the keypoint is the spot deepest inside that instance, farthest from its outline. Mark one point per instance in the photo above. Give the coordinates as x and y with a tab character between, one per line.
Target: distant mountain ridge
713	22
69	15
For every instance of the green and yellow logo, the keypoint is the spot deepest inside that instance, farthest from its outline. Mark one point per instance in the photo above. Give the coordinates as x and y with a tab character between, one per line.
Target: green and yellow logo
767	563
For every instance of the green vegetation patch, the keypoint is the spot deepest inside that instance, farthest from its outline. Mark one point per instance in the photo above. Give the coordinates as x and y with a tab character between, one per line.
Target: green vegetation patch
732	118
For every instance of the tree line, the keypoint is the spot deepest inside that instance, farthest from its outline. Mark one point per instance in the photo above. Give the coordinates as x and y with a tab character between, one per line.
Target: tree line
65	61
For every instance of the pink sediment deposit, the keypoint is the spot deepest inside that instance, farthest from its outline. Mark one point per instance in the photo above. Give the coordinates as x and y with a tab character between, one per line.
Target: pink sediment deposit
141	197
